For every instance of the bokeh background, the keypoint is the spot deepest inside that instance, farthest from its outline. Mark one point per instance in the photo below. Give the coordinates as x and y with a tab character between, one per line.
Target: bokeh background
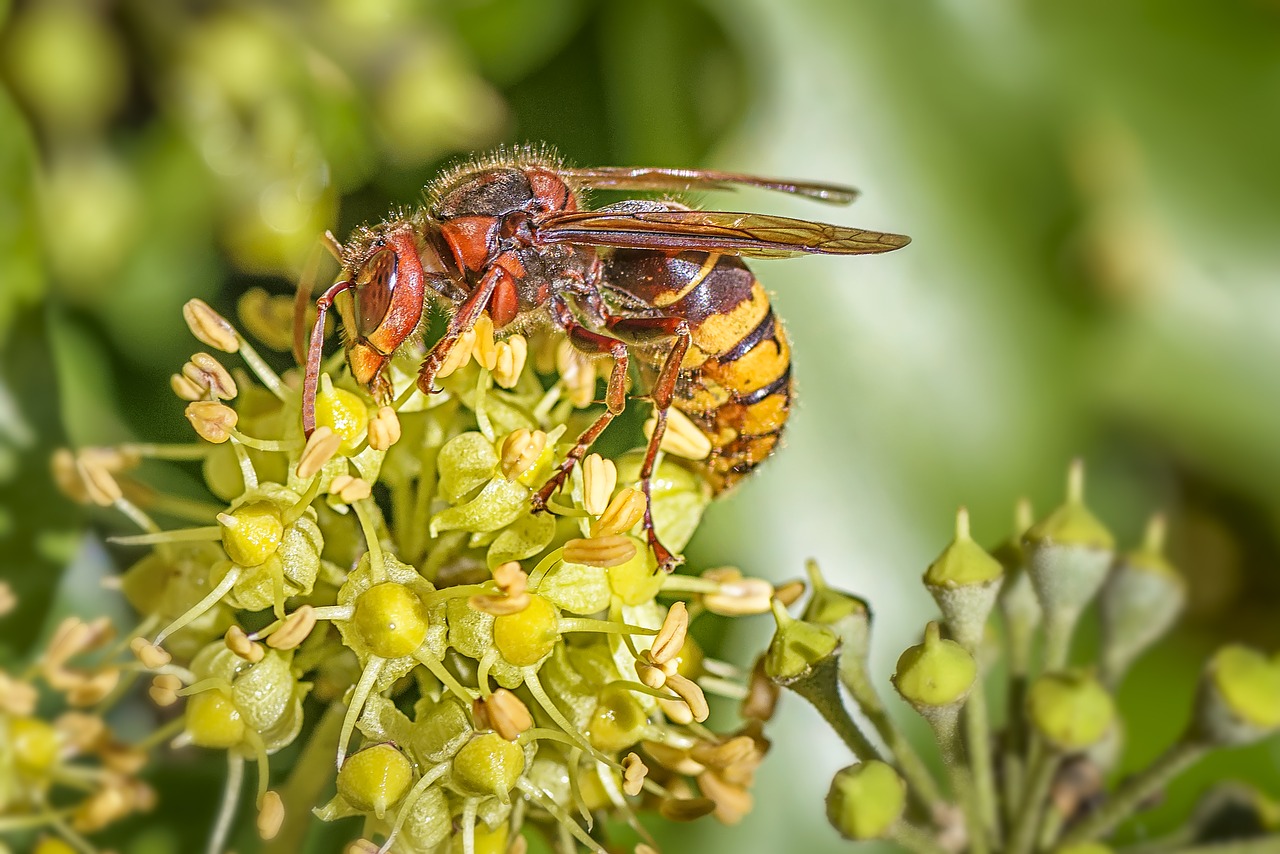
1091	187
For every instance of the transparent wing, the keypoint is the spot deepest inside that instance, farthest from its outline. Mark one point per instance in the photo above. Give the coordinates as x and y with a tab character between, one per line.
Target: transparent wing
749	234
678	180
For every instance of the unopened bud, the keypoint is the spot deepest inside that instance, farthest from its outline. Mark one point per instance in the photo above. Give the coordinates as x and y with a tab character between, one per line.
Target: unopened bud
1141	599
1239	697
964	581
797	647
210	327
866	800
1071	711
935	673
213	421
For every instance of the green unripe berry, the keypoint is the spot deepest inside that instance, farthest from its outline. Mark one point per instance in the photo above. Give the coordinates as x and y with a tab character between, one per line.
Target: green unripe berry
390	619
213	721
34	745
1072	711
1072	523
251	533
375	779
618	721
866	800
527	637
937	672
344	413
964	581
488	765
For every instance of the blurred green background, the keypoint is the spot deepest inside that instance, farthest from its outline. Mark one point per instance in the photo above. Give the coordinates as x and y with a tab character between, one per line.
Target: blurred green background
1091	187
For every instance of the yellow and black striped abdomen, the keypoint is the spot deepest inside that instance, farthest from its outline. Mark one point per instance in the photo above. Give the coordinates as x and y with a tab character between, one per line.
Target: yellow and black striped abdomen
735	381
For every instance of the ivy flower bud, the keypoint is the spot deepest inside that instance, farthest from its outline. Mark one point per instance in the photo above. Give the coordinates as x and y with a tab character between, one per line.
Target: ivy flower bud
682	438
1068	555
964	581
384	429
797	647
1239	697
509	360
207	374
936	673
1141	599
210	327
1018	603
375	779
213	421
866	800
1071	711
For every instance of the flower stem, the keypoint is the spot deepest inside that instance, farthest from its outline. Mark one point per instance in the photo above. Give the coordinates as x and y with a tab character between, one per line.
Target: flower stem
1133	793
819	686
920	781
1042	765
946	726
914	839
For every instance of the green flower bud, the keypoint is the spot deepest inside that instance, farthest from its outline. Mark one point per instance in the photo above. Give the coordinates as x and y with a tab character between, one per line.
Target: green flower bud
1142	598
1018	602
797	647
845	614
964	581
488	765
935	673
1068	555
1239	698
1072	711
865	800
375	779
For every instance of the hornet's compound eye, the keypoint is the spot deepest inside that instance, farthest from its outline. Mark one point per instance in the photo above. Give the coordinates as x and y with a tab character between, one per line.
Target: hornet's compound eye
374	286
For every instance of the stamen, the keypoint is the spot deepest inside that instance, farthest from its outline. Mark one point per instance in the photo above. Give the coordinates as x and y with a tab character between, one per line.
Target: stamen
613	550
599	479
509	360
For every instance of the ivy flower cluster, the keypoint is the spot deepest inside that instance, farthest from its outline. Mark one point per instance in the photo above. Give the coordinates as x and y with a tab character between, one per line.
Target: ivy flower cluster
1039	784
460	670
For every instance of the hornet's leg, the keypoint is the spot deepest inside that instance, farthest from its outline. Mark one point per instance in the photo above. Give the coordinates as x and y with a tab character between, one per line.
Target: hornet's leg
315	349
662	395
463	319
615	398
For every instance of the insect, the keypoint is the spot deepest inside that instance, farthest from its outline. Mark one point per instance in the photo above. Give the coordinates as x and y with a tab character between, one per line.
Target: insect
650	280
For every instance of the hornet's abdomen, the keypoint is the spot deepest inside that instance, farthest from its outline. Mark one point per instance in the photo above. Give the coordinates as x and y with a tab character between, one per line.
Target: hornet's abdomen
735	381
